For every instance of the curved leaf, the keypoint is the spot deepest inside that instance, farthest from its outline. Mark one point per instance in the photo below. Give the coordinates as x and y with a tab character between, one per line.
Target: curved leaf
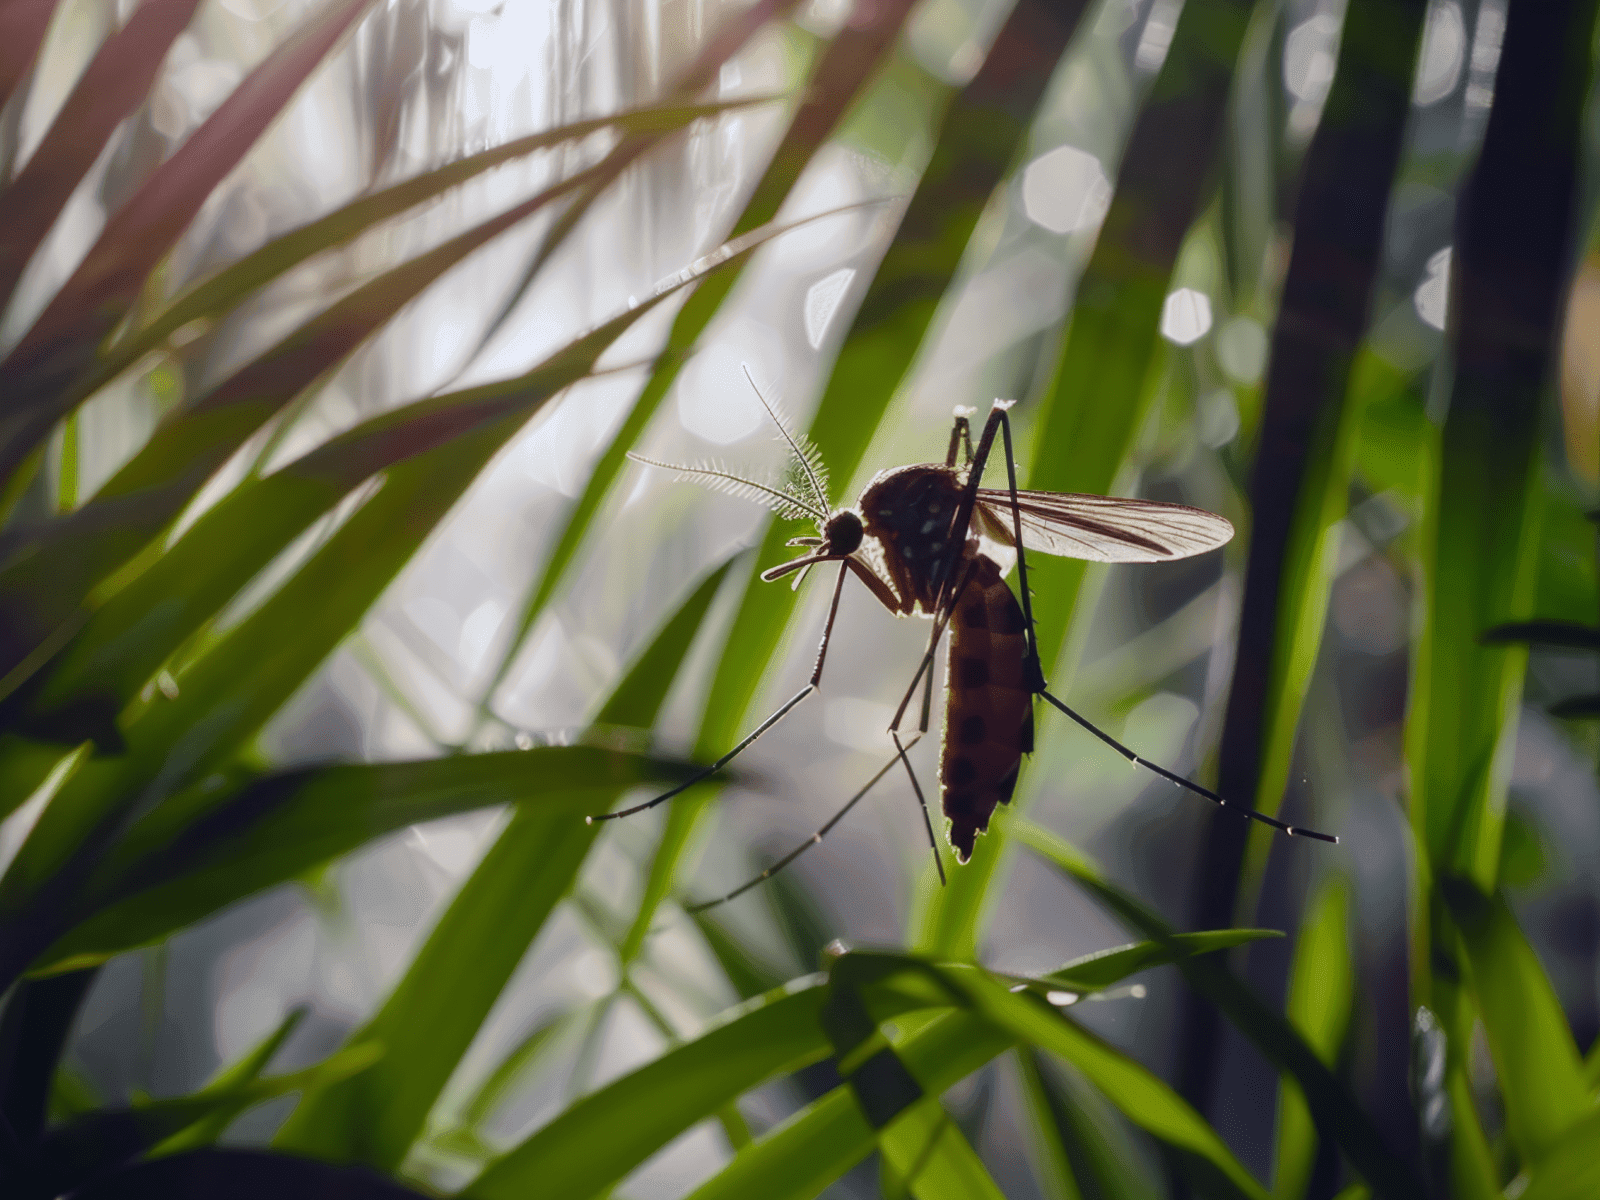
111	86
171	869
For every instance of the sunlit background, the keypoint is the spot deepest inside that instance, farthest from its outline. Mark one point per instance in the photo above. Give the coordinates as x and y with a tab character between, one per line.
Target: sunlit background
441	666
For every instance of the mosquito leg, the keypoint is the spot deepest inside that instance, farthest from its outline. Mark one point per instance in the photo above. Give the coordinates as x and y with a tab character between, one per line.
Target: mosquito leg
960	434
1190	785
1033	670
916	786
783	711
962	523
808	843
926	665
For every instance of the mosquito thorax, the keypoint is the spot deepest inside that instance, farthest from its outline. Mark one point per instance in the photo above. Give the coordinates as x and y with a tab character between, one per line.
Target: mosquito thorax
843	533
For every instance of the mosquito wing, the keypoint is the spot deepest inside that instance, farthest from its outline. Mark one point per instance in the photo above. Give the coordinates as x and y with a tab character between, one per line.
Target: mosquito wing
1108	529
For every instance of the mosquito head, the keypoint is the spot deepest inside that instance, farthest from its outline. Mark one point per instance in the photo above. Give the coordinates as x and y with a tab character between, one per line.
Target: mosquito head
843	533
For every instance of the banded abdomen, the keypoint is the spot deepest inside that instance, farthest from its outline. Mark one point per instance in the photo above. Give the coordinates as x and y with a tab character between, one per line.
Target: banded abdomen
988	722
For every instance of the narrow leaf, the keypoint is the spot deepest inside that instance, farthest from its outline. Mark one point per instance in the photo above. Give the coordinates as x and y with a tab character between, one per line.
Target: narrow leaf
1536	1061
172	870
1321	987
605	1135
112	85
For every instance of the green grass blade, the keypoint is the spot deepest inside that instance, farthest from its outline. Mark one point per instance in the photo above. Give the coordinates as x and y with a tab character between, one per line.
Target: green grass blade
172	869
104	286
1098	971
1095	1137
608	1133
1539	1069
39	1015
1570	1169
1141	1096
1052	1165
436	1009
1334	1108
828	1137
926	1155
232	1079
1316	393
1321	989
111	86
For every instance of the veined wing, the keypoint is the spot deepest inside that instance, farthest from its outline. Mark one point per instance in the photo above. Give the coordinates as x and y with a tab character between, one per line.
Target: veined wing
1109	529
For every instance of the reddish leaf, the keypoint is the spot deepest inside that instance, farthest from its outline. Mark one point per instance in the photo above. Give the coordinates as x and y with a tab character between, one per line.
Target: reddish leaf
104	286
113	85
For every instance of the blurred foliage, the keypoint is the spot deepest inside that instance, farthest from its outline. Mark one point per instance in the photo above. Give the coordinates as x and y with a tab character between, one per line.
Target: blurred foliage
156	615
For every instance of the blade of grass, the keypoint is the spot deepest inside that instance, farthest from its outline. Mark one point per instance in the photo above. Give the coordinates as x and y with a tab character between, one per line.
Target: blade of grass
105	284
22	28
1095	403
1508	270
171	869
1305	455
1570	1169
605	1135
1536	1061
1094	1135
1052	1166
219	293
1335	1109
1140	1095
436	1009
112	86
1321	988
231	1079
825	1139
928	1155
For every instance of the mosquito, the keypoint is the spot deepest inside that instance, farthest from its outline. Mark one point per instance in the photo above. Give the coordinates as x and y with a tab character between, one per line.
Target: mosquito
927	540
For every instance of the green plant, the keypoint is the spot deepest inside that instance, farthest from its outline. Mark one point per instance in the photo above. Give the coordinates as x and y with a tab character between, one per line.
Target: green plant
160	611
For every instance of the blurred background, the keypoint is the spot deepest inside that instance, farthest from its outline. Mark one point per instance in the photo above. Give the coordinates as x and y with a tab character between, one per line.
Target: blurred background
1093	208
